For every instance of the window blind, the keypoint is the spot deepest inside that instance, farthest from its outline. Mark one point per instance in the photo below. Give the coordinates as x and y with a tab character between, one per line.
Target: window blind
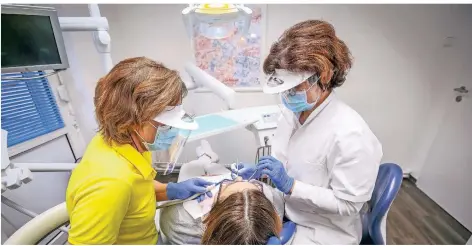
29	109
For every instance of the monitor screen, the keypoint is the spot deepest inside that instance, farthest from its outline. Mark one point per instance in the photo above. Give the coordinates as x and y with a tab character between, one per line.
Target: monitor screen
28	40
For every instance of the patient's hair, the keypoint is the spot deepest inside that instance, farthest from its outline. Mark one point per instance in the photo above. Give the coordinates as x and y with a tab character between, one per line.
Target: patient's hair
134	92
311	46
246	217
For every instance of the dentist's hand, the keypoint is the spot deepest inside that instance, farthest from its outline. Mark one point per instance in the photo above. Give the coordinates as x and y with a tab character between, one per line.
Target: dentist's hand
246	171
288	230
185	189
276	171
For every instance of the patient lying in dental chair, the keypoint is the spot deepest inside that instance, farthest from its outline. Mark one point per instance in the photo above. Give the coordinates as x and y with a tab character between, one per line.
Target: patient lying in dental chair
239	212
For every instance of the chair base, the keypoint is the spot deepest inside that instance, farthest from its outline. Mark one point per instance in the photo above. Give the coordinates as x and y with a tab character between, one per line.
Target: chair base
366	241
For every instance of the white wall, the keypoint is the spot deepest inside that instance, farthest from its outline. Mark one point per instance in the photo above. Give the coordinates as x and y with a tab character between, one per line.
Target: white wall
85	69
450	76
448	164
393	83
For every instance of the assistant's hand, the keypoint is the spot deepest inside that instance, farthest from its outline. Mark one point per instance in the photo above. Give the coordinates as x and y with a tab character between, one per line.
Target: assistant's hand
276	171
246	170
185	189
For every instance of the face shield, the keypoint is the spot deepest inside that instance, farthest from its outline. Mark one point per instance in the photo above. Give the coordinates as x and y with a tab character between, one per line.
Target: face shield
170	139
283	82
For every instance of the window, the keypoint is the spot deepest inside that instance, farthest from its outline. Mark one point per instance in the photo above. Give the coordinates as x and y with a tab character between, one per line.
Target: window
29	109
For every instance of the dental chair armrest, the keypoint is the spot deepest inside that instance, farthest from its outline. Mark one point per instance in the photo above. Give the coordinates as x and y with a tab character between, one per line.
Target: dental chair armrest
288	230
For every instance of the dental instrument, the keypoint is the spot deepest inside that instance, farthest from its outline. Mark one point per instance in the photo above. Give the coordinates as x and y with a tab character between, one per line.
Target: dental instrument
250	177
175	202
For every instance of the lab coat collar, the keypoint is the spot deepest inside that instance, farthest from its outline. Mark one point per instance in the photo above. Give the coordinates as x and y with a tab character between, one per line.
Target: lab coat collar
142	162
318	109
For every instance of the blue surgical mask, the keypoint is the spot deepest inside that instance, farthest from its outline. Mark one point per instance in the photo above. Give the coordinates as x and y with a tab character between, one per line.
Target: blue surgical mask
297	102
163	140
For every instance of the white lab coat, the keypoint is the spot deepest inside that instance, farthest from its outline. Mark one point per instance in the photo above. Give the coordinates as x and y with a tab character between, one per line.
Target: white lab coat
334	159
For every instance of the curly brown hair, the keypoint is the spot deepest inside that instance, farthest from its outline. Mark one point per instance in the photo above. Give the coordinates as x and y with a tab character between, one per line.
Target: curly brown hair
311	46
135	91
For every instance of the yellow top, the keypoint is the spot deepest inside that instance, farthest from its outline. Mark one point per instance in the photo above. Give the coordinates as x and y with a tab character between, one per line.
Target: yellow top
111	197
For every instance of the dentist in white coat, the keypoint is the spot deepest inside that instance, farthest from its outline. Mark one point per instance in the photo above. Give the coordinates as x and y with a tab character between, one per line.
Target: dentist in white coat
325	157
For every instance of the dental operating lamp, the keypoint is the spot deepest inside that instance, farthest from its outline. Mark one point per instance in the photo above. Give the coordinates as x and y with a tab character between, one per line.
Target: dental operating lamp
203	79
216	20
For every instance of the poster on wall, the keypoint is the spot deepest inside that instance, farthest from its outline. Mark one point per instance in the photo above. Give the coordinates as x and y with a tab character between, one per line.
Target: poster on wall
236	61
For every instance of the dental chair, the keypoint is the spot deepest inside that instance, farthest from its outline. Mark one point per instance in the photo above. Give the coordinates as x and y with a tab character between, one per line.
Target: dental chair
37	228
54	219
387	185
40	226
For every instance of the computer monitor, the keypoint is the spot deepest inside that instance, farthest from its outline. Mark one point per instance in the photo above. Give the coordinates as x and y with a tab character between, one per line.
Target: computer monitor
31	39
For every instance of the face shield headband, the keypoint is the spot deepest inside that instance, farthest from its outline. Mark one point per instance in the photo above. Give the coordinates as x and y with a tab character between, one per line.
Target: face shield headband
170	139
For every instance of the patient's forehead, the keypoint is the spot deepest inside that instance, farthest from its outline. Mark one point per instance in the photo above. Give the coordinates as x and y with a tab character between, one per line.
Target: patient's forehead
236	187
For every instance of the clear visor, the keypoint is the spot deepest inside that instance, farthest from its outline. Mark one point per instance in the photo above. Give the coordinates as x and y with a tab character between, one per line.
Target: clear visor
169	143
283	80
313	80
286	114
286	94
273	80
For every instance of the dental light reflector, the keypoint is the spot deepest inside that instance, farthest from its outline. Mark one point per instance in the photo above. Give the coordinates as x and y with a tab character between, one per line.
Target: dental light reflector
217	21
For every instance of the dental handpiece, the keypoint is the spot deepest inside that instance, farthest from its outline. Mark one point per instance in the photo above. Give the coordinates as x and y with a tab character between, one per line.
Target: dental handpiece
175	202
226	165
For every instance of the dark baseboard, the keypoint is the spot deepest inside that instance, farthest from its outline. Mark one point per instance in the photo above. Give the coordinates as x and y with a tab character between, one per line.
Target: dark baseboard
412	179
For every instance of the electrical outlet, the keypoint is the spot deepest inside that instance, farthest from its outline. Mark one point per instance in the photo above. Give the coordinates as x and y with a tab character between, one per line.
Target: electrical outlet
449	41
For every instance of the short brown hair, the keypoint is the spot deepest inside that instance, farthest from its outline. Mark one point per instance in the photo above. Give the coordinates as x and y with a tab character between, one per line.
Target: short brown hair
246	217
311	46
135	91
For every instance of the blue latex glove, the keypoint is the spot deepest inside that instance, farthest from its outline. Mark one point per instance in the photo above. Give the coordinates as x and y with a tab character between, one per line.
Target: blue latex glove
246	170
185	189
276	171
274	241
202	197
288	230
